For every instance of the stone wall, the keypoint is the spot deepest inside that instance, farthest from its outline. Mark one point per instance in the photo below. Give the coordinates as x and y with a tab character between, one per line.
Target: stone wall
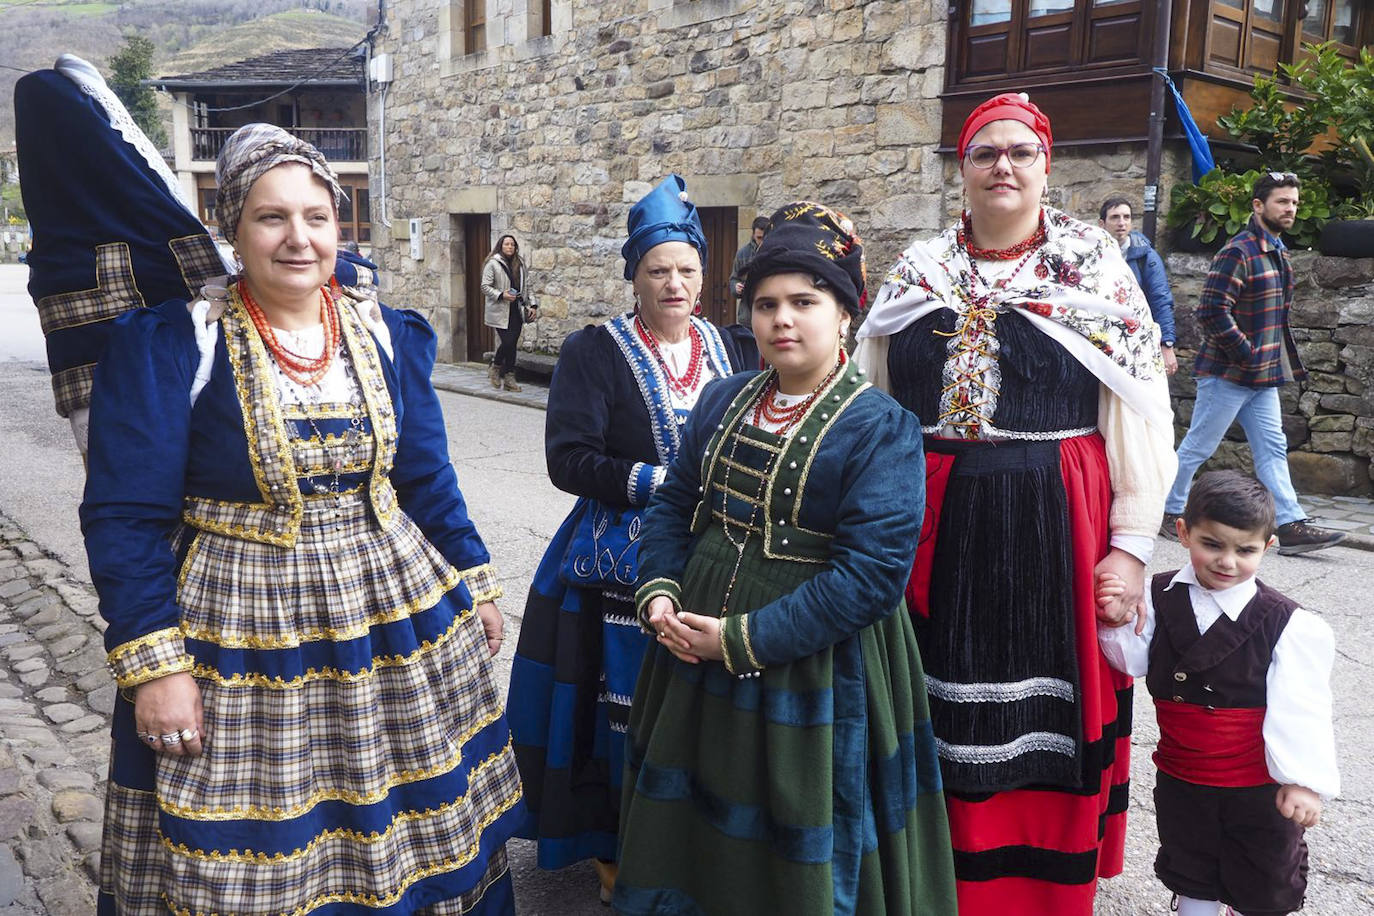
754	103
1329	419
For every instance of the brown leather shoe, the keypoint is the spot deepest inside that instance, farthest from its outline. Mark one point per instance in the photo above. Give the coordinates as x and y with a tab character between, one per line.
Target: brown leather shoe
508	382
1301	537
494	376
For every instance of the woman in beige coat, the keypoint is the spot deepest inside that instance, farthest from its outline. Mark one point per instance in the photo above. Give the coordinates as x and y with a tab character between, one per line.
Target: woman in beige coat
508	307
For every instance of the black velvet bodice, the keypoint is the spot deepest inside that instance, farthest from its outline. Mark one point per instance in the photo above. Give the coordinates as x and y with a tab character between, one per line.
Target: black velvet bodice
1042	389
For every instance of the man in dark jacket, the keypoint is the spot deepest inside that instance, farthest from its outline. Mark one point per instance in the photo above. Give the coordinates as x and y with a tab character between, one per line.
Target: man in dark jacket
1247	352
740	269
1148	267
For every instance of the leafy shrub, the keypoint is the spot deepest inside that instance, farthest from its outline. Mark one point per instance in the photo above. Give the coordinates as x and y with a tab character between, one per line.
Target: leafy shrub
1220	206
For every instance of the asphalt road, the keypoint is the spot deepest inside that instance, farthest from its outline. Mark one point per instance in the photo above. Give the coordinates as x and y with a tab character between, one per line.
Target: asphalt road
498	451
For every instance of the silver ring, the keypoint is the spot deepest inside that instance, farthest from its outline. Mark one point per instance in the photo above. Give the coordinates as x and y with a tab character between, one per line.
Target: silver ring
173	738
189	734
151	739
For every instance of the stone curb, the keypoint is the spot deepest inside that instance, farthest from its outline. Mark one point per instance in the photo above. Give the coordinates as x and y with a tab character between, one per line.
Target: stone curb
56	696
1358	541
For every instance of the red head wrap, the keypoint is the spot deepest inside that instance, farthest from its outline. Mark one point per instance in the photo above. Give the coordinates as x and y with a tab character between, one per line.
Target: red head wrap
1009	106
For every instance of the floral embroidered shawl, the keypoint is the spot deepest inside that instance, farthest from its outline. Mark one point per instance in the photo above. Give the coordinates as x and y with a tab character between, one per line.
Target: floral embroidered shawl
1076	288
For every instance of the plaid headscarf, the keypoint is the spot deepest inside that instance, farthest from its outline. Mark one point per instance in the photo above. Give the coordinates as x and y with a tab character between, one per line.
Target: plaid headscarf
247	155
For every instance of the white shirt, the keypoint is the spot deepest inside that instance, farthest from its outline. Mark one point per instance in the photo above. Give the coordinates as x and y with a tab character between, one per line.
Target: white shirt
1299	742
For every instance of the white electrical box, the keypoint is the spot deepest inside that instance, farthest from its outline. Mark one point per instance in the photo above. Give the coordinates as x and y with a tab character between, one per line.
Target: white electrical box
379	69
417	242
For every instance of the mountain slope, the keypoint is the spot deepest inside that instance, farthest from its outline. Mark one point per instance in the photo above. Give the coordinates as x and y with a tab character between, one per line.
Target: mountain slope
189	35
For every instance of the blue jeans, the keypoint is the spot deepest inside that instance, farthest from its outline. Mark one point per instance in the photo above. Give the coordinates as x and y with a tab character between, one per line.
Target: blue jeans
1218	403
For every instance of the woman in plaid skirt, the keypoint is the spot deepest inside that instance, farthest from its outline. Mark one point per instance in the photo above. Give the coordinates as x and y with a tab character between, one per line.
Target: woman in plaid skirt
300	610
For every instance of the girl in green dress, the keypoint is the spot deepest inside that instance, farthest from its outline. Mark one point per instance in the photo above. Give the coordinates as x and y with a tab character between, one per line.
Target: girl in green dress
779	756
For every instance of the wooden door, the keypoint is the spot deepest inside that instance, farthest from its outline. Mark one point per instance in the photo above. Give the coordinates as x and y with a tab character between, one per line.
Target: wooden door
722	240
476	246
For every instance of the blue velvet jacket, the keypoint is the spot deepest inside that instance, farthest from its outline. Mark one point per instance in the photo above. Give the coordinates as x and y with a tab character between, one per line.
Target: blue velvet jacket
153	455
848	494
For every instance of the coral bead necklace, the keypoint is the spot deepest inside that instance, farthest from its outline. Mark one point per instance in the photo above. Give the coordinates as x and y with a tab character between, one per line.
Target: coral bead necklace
303	370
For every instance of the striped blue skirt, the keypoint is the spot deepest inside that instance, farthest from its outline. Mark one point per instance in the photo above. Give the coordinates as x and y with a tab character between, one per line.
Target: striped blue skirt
576	664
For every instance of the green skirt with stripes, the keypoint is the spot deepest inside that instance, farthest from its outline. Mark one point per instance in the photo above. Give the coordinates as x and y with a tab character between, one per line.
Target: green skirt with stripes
812	789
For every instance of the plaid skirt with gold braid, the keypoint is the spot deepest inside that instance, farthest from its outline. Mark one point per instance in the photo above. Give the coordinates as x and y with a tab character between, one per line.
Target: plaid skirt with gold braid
357	758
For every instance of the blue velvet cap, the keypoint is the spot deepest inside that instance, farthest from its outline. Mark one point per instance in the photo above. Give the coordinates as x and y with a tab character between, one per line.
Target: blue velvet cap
663	215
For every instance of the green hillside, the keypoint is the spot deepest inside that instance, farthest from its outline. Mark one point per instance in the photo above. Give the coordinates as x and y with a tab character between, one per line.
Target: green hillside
189	35
280	32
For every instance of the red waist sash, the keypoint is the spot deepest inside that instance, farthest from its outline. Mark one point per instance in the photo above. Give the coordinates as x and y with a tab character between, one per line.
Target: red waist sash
1211	747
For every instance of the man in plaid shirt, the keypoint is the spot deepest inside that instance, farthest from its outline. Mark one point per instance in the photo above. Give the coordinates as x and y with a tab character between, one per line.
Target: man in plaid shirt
1247	352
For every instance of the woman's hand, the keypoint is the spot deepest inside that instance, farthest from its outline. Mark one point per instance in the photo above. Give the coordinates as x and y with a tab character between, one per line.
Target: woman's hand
660	612
690	637
492	625
168	711
510	295
1123	601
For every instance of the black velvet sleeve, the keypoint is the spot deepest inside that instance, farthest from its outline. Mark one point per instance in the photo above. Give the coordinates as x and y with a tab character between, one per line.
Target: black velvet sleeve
597	427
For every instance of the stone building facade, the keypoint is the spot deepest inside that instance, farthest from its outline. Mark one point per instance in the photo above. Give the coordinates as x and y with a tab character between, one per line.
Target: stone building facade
753	102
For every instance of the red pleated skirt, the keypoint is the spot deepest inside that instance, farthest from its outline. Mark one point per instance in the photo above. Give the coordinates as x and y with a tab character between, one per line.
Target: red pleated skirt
1040	850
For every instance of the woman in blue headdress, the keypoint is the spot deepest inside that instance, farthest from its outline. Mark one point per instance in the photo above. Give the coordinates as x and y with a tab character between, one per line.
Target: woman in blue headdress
619	396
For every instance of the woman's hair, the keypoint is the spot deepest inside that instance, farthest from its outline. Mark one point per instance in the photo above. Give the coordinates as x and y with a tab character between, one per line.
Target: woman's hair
1233	499
496	250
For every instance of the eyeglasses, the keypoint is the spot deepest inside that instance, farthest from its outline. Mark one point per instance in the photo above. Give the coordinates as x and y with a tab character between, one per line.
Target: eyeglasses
1284	176
1020	155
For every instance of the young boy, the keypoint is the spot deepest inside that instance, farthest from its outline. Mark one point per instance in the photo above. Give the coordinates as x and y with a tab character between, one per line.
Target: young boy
1240	677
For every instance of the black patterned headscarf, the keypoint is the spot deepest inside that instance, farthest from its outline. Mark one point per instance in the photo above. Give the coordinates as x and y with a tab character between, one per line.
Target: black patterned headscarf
247	155
810	238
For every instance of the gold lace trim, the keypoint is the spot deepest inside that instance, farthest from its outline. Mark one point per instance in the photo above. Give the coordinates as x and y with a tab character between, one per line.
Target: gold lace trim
247	856
166	634
376	900
152	673
973	334
424	602
256	680
748	646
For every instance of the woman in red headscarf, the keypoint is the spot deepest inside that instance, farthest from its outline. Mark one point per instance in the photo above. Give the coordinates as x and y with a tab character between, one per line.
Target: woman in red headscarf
1025	347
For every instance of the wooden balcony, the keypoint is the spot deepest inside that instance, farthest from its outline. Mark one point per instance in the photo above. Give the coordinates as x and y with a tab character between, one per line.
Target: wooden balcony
338	144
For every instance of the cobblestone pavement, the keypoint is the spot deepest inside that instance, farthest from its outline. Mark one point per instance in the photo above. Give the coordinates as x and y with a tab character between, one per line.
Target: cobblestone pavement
56	696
